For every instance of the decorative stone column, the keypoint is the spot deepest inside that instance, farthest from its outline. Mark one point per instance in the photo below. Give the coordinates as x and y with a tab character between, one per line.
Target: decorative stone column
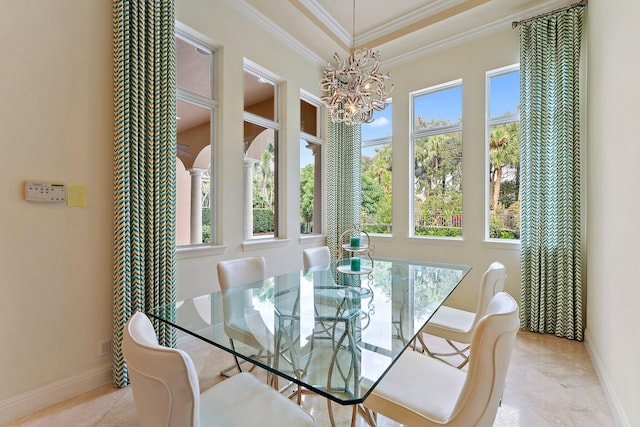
196	205
248	197
316	150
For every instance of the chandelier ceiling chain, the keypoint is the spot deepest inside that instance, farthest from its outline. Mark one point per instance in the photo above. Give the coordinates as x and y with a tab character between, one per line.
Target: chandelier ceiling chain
355	86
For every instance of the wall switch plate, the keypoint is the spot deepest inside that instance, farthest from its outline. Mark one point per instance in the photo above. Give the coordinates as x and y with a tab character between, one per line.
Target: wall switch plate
104	348
38	191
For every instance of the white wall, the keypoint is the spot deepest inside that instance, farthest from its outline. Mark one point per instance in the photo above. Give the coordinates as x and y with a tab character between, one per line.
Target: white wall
613	202
56	116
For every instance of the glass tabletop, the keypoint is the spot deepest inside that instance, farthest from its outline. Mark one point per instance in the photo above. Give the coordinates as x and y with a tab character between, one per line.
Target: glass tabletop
331	332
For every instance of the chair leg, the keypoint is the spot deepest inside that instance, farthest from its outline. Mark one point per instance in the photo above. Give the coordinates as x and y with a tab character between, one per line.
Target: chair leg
369	416
457	351
226	371
237	365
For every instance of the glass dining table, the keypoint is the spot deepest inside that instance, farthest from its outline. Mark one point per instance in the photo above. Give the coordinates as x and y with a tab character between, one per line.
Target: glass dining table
327	329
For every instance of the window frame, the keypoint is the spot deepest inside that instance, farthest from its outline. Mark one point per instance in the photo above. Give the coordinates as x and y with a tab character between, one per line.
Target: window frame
213	105
276	126
489	122
318	205
426	133
380	141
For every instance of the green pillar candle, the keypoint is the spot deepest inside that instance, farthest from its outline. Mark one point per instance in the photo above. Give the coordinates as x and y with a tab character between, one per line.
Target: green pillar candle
355	242
355	264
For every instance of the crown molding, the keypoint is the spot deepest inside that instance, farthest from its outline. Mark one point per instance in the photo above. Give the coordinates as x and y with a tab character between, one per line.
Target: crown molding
471	34
328	20
251	13
246	10
447	43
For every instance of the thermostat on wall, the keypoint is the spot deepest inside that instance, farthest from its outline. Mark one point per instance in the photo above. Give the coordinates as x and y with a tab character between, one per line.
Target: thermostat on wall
37	191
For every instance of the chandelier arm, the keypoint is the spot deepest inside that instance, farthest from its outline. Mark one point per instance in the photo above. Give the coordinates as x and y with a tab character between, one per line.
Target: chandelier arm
355	88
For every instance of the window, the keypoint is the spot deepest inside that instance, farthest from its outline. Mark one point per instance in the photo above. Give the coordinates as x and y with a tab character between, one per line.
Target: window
436	140
310	165
195	107
376	173
503	125
261	129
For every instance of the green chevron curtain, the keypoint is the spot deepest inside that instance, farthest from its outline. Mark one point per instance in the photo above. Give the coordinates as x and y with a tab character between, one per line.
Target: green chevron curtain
550	256
343	180
144	165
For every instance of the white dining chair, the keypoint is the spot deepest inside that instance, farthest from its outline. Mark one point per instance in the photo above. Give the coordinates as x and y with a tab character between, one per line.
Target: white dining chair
242	322
317	260
315	257
166	390
423	391
455	325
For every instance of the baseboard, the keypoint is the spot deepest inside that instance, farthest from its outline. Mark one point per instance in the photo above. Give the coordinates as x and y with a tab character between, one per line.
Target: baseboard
29	402
617	411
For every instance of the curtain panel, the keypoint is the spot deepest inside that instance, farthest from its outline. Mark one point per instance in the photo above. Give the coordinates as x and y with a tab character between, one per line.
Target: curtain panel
551	288
144	165
343	181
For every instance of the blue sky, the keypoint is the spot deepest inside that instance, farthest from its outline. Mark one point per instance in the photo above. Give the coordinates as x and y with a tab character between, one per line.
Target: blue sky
381	125
504	93
444	104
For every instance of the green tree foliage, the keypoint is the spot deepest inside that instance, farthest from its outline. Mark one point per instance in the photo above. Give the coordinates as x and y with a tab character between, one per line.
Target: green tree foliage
206	224
263	220
504	144
263	179
306	198
372	195
376	191
504	184
264	191
206	207
437	179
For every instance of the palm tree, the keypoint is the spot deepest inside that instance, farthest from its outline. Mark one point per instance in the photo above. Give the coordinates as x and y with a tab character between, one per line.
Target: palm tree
504	151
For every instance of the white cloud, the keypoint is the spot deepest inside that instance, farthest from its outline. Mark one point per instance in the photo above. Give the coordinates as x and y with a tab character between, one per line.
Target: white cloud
379	122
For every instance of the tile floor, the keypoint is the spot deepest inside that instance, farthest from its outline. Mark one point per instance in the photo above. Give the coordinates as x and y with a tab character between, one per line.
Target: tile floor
551	382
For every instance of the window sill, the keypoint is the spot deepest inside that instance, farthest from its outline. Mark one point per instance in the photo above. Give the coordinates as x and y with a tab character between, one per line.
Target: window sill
451	241
502	244
252	245
380	236
186	252
312	238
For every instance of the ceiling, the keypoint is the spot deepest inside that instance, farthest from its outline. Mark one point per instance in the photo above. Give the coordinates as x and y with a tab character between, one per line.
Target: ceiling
399	29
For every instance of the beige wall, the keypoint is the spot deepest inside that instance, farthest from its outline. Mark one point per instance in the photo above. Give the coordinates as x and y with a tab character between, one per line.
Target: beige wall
57	261
613	202
56	116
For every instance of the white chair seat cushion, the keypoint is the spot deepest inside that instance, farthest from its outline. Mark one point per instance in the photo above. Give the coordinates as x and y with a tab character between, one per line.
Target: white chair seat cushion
410	401
243	401
451	323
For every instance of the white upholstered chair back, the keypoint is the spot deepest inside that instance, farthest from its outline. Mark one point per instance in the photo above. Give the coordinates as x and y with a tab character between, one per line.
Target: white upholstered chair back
166	390
492	282
164	380
314	257
242	322
491	348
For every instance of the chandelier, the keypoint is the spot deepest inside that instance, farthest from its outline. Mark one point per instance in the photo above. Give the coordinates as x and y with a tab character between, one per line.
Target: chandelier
355	86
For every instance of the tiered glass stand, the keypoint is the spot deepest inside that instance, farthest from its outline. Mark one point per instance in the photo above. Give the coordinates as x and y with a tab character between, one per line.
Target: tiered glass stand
346	251
365	251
